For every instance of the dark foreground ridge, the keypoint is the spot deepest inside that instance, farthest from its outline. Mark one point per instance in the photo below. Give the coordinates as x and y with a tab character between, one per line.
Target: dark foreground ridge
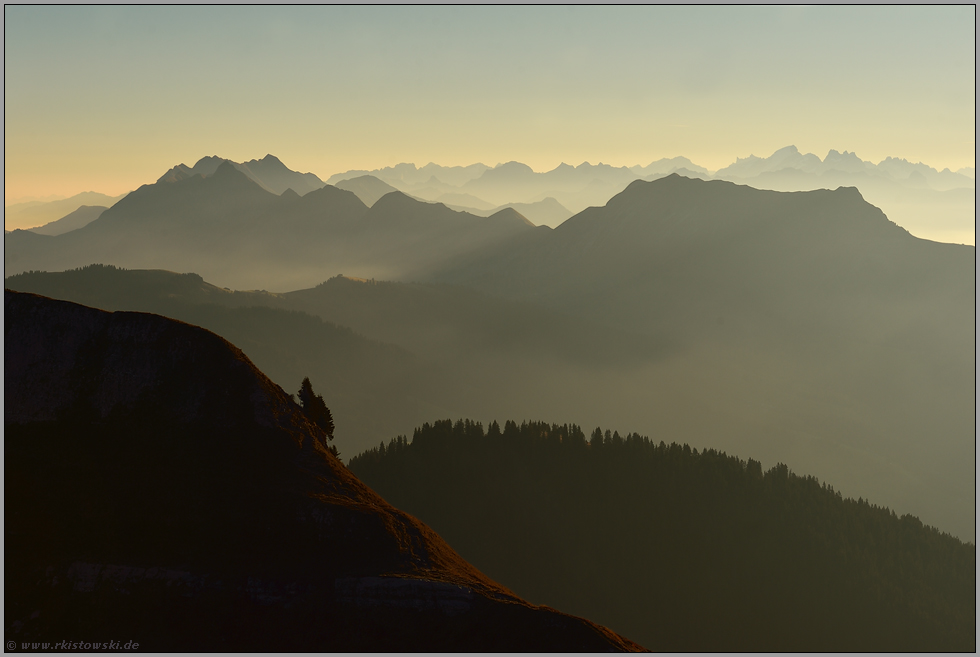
684	550
160	489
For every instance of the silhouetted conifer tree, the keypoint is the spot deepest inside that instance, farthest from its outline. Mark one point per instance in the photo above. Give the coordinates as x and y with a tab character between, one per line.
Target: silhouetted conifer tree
316	410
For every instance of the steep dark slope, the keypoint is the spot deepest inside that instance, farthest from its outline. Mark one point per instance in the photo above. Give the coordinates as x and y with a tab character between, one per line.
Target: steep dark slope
685	550
372	387
159	487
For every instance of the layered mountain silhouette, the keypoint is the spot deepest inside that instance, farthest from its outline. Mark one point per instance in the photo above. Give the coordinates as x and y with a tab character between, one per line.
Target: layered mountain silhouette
507	184
159	487
685	549
229	229
934	204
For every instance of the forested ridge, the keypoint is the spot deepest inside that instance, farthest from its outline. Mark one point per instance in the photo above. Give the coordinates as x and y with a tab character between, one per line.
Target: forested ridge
680	549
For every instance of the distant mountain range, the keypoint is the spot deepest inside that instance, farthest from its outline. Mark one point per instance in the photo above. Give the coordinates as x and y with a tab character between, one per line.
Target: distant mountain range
933	204
479	176
233	230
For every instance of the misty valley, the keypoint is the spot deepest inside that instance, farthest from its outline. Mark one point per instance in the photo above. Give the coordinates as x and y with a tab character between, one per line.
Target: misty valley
590	409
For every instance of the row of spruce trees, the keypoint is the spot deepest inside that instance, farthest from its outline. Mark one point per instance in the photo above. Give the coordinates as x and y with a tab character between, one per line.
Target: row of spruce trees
676	548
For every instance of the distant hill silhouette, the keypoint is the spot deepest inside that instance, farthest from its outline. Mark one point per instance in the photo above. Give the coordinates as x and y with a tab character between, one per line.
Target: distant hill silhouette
83	216
231	230
685	550
666	166
34	214
159	488
367	188
574	187
546	212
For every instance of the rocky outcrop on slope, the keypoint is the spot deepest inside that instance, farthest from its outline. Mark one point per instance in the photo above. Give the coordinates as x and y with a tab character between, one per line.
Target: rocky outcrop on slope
162	489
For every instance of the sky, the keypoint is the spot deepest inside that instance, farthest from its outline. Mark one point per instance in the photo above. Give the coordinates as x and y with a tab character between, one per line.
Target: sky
108	98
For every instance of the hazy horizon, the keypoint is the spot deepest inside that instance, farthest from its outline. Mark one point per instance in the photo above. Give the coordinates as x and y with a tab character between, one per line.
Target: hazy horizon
328	89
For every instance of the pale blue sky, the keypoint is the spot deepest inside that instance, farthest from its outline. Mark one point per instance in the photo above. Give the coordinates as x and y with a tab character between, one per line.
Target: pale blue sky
107	98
